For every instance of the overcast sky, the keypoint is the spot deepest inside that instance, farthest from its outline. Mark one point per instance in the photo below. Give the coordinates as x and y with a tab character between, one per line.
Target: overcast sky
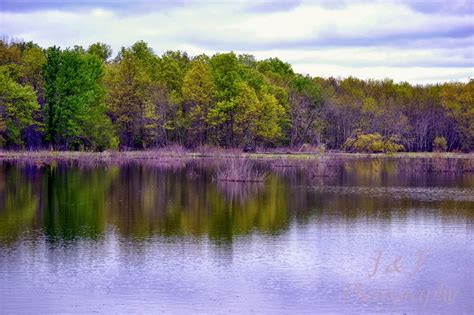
415	41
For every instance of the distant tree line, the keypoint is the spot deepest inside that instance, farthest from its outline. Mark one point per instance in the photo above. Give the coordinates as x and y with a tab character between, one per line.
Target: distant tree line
83	99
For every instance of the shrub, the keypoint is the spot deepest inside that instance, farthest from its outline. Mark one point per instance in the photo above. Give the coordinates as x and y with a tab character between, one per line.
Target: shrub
240	170
373	143
440	144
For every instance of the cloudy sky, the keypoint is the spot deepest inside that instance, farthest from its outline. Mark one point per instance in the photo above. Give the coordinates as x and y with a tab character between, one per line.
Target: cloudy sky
407	40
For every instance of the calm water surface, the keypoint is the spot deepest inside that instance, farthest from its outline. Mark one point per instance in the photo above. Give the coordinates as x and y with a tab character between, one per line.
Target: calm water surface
352	237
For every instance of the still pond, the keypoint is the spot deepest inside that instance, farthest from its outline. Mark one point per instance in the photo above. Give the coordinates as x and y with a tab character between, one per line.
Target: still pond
344	237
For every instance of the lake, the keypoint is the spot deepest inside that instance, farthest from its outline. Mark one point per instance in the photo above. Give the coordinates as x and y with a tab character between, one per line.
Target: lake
368	235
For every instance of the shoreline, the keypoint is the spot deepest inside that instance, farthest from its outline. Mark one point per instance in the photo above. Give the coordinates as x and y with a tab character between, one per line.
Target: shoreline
221	153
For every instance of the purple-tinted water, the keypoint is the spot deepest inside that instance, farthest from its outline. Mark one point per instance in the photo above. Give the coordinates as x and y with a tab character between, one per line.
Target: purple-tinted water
150	239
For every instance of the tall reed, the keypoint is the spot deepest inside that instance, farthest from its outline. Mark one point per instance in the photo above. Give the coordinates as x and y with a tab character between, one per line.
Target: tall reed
240	170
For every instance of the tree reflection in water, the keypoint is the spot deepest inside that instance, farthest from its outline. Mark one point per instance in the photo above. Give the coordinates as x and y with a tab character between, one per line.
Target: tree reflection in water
179	198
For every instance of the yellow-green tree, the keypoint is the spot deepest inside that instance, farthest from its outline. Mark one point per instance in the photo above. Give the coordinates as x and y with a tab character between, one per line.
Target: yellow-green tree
128	98
17	107
458	101
198	88
256	119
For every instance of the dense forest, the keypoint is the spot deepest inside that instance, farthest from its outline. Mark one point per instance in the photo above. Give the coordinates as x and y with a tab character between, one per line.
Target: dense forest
84	99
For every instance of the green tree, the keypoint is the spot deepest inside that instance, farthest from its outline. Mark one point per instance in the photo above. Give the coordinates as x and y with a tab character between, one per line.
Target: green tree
226	72
277	71
226	99
75	109
268	122
257	117
101	50
10	53
172	68
17	107
247	104
127	84
198	88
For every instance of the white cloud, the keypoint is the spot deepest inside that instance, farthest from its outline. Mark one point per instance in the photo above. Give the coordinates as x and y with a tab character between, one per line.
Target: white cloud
376	40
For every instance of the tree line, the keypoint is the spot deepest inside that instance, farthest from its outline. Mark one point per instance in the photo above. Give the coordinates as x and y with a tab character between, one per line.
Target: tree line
83	99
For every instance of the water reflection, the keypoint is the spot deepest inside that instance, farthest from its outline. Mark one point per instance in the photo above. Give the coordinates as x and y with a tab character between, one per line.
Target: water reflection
67	200
165	235
19	200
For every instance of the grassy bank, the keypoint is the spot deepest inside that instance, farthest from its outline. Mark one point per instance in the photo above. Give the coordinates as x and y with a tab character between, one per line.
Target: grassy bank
320	163
221	153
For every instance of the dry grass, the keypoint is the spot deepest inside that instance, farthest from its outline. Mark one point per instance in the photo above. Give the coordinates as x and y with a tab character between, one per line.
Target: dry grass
429	162
240	170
